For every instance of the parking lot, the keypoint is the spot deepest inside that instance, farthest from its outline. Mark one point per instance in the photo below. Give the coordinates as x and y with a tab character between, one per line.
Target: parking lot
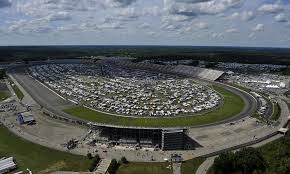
126	92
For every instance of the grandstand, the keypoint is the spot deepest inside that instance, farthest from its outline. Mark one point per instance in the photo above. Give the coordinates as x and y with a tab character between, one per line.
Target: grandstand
191	71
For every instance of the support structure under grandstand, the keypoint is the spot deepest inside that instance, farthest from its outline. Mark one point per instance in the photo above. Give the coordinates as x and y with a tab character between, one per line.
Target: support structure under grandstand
165	139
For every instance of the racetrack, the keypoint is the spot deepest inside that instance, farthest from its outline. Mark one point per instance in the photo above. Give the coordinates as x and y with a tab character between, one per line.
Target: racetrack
52	102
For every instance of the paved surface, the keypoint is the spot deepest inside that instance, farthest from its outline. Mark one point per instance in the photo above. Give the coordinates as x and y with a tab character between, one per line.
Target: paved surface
238	137
103	166
176	168
49	100
203	168
63	172
282	119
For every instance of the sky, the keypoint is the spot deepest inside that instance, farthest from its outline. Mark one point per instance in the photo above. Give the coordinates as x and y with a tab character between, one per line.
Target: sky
257	23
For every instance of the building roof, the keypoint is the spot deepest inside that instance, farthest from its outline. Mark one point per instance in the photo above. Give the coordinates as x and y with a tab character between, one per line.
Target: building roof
283	130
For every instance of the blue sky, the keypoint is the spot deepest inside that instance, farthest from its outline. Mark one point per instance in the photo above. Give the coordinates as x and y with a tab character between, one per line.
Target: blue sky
263	23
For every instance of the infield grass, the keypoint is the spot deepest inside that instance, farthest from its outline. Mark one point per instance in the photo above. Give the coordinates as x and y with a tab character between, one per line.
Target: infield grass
233	104
37	158
17	91
4	95
144	168
191	166
276	111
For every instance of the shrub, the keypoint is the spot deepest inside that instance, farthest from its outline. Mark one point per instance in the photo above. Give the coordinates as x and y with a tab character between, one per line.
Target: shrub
90	156
124	160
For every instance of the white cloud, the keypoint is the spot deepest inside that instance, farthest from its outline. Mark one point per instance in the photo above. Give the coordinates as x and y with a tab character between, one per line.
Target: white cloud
117	3
111	25
281	17
152	11
144	25
152	33
202	25
196	8
191	1
59	16
216	35
234	16
251	35
33	26
270	8
128	14
232	30
247	15
258	27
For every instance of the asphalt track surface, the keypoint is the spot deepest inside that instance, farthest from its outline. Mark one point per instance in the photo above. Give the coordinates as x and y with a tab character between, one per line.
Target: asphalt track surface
55	104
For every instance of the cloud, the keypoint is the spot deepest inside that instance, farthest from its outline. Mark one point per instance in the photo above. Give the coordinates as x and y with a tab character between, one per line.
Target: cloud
59	16
270	8
192	1
5	3
196	8
46	7
170	27
111	25
144	25
258	27
251	35
202	25
232	30
281	17
216	35
118	3
234	16
152	33
247	15
128	14
32	26
87	26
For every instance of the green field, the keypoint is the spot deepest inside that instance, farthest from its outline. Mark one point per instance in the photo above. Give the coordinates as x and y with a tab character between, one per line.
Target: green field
144	168
233	104
17	91
191	166
241	87
276	111
4	95
38	158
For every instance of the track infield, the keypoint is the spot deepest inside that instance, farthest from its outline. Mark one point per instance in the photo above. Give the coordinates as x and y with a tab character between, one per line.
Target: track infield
233	105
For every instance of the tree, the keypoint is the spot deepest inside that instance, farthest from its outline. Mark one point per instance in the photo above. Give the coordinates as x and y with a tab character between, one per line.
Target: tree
124	160
89	155
246	160
224	163
249	160
97	157
284	166
92	166
94	162
113	166
2	74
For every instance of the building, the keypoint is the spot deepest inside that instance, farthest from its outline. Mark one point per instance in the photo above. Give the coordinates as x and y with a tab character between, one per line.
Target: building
173	139
164	139
7	165
26	118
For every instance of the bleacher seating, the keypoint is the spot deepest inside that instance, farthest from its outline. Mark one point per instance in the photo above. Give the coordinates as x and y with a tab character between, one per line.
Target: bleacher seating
197	72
